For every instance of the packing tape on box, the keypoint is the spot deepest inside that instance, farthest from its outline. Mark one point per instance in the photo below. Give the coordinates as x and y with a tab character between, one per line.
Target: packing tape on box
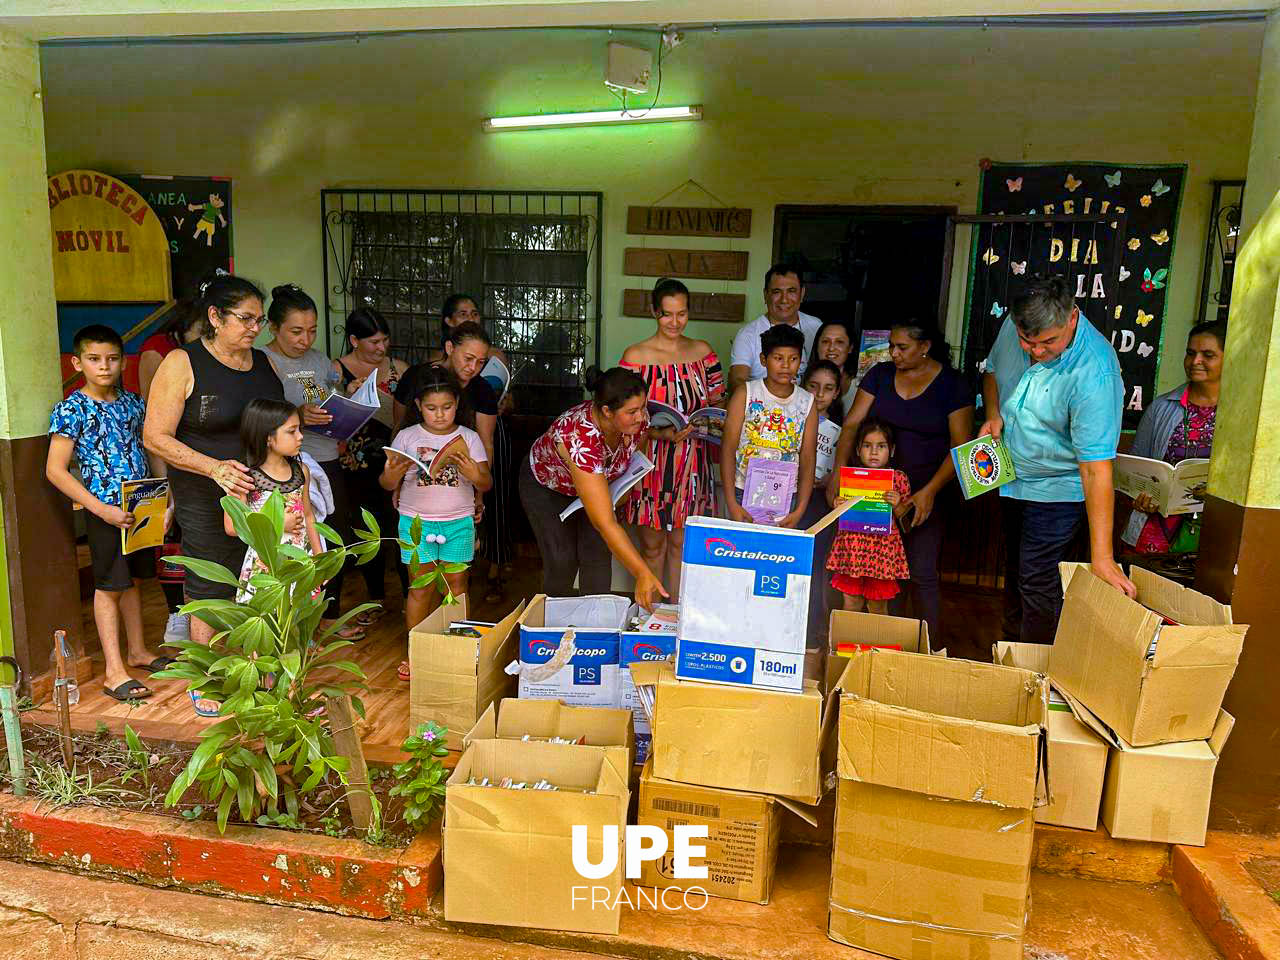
1009	907
921	924
1161	819
977	868
1177	723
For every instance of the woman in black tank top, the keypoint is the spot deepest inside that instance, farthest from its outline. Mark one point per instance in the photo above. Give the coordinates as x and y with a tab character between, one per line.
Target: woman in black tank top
193	423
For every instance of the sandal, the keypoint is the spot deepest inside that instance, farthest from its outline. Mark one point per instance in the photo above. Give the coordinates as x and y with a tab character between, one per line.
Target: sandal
352	632
129	690
369	617
402	671
158	664
195	703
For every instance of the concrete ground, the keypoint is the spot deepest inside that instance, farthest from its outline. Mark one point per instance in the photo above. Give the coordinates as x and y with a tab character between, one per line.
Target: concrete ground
49	915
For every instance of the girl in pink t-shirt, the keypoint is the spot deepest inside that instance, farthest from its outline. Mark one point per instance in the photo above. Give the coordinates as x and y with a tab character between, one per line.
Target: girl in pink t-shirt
442	498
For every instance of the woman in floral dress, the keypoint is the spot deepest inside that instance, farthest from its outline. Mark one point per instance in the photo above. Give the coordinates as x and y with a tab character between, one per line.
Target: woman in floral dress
685	374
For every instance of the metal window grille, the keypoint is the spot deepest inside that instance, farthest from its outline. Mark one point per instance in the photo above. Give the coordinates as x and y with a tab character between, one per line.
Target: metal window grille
531	259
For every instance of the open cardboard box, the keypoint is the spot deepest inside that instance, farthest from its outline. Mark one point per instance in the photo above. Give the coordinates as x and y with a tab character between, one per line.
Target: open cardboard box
743	830
940	763
1103	655
452	680
851	630
604	728
508	853
1161	792
590	676
740	738
1077	755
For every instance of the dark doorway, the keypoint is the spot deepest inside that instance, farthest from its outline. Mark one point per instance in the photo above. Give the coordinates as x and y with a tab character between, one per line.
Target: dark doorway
867	265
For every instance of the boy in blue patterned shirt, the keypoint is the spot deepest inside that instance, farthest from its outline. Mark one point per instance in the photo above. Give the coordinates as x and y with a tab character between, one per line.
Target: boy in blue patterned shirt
101	424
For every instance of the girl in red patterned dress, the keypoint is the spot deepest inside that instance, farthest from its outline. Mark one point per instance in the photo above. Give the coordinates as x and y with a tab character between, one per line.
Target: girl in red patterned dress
866	567
683	373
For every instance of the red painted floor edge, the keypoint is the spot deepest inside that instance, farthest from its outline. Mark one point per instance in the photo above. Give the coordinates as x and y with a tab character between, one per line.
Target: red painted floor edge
278	866
1209	908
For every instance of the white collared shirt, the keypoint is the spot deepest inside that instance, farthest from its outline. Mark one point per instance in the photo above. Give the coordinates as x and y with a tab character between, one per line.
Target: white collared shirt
746	344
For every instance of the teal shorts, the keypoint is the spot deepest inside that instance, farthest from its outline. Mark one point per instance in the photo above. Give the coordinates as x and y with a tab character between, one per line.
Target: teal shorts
459	540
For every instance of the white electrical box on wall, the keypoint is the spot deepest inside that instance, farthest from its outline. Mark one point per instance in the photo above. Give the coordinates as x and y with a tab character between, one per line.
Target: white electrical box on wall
628	68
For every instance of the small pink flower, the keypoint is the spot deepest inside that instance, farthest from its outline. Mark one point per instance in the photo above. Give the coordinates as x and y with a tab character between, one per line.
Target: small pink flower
428	735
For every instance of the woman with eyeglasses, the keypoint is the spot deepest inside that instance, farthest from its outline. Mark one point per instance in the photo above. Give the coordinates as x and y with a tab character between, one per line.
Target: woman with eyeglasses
193	424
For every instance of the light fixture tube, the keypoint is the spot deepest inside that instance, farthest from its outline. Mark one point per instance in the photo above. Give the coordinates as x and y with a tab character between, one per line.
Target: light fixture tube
592	118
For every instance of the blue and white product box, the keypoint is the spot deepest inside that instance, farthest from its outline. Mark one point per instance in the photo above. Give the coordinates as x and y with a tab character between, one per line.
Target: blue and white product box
642	646
744	604
578	666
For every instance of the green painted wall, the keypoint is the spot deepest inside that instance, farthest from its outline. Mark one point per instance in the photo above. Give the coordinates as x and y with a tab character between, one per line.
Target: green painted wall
817	115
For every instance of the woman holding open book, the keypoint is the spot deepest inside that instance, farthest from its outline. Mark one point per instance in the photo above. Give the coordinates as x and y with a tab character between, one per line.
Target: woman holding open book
1179	426
685	374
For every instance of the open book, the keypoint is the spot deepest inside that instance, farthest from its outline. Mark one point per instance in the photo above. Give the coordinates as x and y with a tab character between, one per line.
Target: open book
637	469
147	501
1176	490
349	413
497	375
439	460
708	422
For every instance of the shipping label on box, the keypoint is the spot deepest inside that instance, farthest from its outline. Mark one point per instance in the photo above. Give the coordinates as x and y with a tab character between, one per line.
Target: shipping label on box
640	647
742	836
454	678
570	649
744	588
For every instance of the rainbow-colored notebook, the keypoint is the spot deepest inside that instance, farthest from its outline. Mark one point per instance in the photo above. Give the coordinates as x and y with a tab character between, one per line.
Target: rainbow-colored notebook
872	513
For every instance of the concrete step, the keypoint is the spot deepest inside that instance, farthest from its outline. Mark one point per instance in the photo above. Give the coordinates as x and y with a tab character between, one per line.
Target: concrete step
1231	886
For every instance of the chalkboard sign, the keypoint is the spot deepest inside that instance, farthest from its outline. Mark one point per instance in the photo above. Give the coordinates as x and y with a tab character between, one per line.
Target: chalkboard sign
196	215
1145	201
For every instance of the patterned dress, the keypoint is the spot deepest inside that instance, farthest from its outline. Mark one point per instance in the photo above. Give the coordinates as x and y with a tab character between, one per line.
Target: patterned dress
681	484
292	491
871	556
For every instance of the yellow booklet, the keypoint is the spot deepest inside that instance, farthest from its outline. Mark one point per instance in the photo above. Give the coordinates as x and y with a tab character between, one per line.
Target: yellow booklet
147	500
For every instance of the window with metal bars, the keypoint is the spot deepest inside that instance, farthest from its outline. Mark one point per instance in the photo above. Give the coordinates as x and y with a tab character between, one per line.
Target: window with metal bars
531	259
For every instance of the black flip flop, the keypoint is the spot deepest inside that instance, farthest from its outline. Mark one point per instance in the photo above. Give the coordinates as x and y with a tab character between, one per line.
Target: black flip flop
124	692
158	664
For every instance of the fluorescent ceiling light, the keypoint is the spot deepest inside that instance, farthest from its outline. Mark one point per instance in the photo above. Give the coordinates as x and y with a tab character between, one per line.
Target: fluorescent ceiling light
592	118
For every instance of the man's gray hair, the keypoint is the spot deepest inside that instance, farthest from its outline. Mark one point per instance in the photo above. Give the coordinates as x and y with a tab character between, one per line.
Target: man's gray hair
1046	302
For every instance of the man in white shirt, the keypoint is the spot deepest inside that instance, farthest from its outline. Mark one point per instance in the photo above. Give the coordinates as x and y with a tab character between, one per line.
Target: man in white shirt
783	294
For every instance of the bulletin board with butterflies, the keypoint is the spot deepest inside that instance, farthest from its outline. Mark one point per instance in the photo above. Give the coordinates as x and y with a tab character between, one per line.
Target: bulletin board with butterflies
1113	241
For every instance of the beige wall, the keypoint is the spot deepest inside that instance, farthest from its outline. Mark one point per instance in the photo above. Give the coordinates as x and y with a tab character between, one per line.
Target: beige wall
811	115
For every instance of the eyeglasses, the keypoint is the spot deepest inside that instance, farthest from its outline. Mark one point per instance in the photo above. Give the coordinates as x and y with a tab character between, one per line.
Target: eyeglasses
254	322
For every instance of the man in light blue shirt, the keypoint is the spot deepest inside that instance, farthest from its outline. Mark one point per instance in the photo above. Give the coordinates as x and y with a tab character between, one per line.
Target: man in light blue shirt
1052	388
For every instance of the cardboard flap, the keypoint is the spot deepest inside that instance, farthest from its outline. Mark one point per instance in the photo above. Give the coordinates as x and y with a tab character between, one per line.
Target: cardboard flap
1027	656
486	728
831	517
1200	646
1089	719
878	630
644	673
1178	603
493	642
1221	731
807	813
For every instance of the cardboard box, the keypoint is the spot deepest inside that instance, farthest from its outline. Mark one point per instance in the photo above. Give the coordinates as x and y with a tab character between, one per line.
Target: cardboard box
589	677
452	679
508	853
744	600
851	630
742	835
1162	792
641	647
740	738
606	729
941	762
1077	755
1150	682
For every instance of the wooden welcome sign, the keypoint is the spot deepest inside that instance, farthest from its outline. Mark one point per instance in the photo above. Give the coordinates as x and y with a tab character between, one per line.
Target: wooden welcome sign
718	307
108	246
689	221
696	264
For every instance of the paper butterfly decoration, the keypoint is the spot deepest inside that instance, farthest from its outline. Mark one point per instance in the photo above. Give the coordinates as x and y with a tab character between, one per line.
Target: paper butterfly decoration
1144	318
1161	238
1145	350
1072	183
1135	243
1124	274
1014	185
1018	266
997	310
1113	179
1119	307
1159	188
990	258
1145	200
1154	281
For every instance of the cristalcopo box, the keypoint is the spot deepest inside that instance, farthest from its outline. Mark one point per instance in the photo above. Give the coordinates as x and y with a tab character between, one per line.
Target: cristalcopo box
641	647
508	854
589	674
744	600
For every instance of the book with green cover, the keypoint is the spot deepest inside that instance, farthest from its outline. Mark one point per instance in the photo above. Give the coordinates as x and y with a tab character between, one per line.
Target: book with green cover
982	465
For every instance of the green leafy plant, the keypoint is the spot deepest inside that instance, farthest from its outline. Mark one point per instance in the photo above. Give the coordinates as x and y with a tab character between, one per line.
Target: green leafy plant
193	813
271	744
54	784
138	756
421	778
